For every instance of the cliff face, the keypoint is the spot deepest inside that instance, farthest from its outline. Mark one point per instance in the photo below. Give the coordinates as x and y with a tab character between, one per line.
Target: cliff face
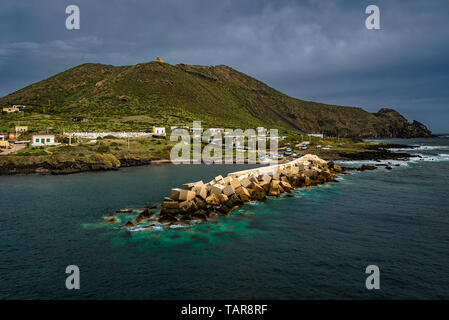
399	127
219	96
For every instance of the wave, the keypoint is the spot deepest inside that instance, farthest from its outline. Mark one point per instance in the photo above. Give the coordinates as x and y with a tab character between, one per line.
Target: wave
380	163
420	148
177	226
440	157
430	157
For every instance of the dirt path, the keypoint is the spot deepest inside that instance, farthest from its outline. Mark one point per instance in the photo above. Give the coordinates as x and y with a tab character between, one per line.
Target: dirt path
15	148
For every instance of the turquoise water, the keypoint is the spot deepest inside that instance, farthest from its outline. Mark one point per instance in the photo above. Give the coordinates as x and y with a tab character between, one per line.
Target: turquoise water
313	246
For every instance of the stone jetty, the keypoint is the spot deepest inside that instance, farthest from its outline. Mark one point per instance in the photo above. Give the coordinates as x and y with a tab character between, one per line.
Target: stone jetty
222	195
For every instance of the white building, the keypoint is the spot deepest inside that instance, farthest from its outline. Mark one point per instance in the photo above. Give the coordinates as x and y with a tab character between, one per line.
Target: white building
159	131
43	140
172	128
95	135
319	135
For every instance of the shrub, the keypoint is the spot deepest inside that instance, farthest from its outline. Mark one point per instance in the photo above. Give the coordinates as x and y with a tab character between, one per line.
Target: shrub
108	159
103	149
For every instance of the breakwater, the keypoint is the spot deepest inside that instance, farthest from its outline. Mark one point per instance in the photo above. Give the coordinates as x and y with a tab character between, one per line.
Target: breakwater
222	195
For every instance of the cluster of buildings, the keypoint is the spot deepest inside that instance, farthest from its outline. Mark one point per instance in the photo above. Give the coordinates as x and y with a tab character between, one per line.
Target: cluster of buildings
8	137
157	131
14	108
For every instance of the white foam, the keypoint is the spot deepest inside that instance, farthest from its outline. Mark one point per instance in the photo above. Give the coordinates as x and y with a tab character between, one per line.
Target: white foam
380	163
430	157
420	148
136	229
440	157
176	226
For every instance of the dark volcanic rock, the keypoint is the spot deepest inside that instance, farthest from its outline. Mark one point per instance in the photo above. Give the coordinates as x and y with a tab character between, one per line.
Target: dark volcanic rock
367	167
199	215
134	162
112	220
167	219
129	224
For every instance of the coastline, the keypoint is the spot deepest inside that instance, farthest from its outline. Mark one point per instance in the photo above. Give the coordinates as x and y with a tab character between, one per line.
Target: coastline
374	153
329	220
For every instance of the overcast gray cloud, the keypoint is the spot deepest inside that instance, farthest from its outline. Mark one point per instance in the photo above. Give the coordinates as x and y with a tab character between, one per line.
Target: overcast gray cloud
315	50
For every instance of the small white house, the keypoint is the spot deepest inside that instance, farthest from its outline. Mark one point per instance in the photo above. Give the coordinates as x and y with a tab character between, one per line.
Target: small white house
172	128
159	131
319	135
43	140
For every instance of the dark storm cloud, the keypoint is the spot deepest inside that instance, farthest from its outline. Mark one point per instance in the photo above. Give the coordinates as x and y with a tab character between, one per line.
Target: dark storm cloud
315	50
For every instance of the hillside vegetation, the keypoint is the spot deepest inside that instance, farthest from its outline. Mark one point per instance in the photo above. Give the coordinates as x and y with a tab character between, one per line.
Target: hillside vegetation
139	96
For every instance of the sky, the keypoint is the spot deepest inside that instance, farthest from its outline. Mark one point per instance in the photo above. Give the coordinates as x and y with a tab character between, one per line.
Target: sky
318	50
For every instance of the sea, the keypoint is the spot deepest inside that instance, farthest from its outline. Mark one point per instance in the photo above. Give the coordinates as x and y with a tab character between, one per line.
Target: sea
315	245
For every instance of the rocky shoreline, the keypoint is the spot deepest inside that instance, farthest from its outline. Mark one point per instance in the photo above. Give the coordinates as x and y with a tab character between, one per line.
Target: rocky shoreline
199	201
70	167
375	153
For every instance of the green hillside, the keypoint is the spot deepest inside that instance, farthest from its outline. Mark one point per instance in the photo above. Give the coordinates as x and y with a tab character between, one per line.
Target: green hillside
137	97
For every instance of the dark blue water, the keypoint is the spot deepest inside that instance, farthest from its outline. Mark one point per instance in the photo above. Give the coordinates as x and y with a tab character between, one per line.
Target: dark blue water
314	246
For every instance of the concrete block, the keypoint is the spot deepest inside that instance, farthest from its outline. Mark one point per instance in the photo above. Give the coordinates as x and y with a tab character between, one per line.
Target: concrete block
253	178
188	186
186	195
229	190
245	182
216	189
219	179
174	194
201	191
235	183
170	205
223	198
266	178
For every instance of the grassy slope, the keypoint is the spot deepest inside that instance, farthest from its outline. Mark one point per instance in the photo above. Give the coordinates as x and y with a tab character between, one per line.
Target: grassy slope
136	97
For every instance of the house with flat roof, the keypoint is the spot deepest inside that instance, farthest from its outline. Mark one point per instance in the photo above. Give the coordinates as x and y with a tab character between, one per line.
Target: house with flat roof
21	129
159	131
11	109
43	140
